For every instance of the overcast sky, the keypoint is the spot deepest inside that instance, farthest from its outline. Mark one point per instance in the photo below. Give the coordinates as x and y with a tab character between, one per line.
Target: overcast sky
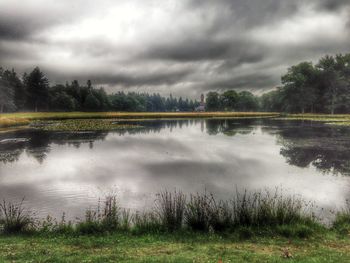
183	47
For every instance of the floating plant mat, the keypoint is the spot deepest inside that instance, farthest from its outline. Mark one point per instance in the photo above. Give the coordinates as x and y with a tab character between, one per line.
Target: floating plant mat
77	125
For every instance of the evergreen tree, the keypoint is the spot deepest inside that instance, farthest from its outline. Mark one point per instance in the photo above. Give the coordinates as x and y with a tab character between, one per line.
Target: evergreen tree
37	89
92	103
6	94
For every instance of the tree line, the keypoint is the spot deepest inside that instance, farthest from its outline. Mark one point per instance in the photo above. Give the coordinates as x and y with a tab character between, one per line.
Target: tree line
32	92
306	88
322	88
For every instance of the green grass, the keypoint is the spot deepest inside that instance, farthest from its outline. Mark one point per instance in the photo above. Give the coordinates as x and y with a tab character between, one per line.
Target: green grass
251	227
174	247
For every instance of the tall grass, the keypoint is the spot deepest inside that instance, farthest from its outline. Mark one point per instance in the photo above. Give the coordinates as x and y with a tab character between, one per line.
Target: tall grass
12	122
204	213
106	217
258	209
267	208
14	218
170	208
174	211
342	220
146	222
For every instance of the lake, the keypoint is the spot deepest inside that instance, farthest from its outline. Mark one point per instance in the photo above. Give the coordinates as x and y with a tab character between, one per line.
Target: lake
60	172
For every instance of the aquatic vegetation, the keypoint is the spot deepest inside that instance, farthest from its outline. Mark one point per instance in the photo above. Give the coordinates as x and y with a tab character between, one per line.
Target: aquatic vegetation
82	125
25	118
336	119
127	115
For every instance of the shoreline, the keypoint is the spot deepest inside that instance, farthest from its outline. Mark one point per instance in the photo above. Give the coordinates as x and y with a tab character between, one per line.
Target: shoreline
23	119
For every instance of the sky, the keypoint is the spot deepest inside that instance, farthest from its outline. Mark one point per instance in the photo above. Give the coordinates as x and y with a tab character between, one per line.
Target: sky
183	47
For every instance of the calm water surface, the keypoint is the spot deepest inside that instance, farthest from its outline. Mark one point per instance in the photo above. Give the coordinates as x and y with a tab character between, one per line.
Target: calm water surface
60	172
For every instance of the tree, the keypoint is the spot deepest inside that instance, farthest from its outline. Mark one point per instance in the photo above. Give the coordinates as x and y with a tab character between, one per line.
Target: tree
272	101
37	88
299	86
6	94
213	101
229	100
334	80
102	97
15	84
62	101
91	103
247	101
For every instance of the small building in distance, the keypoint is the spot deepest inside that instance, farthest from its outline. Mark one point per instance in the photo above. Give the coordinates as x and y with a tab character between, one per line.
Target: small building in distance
201	106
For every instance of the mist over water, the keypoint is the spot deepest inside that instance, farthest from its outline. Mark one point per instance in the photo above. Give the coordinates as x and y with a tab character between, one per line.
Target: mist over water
60	172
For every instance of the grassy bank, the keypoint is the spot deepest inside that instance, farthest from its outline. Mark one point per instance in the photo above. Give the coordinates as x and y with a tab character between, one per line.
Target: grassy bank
174	247
25	118
16	119
250	227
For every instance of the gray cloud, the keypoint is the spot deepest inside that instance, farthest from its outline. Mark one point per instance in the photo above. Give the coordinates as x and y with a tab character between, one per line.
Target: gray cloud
183	47
333	5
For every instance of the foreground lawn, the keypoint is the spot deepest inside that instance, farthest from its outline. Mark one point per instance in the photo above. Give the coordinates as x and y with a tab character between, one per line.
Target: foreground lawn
172	248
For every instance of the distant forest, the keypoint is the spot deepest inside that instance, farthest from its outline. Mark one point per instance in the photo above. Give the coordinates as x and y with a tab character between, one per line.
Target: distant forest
306	88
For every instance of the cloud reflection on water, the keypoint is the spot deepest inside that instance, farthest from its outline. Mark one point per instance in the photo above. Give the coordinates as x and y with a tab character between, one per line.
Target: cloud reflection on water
59	172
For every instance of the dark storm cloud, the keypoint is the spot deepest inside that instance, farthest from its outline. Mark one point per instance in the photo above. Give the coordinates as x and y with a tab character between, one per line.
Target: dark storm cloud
128	79
185	46
333	5
232	51
250	82
150	79
192	50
